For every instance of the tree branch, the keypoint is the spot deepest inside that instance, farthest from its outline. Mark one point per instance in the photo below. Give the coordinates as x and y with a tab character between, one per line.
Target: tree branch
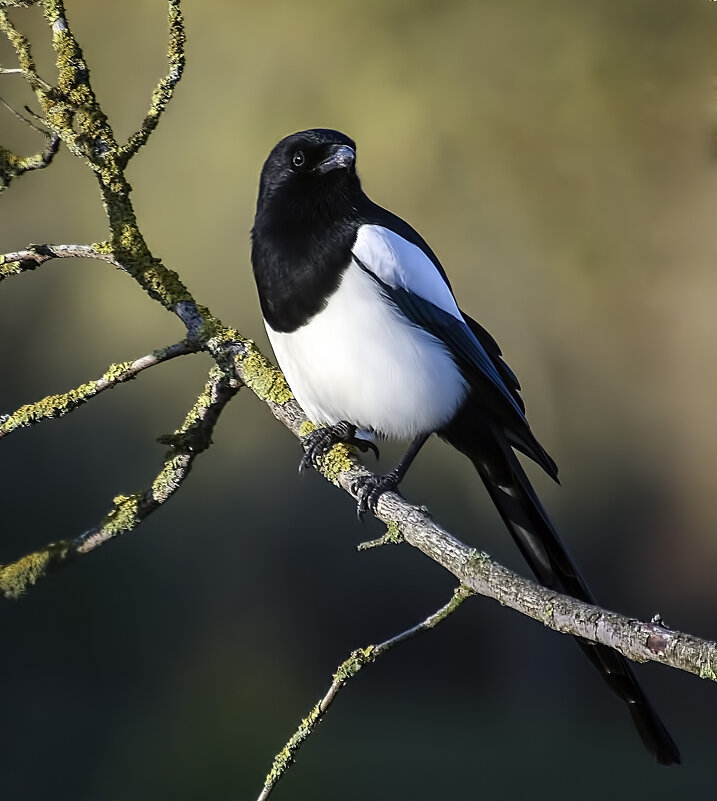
345	671
165	88
128	511
60	405
12	165
33	256
57	105
641	642
638	641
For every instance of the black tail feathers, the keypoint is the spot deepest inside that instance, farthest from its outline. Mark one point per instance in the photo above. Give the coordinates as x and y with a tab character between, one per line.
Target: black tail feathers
526	519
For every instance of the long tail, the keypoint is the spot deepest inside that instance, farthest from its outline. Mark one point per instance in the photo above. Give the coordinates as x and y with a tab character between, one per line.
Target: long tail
526	519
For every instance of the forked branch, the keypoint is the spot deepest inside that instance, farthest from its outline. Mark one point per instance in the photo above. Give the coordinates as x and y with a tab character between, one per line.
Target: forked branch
189	440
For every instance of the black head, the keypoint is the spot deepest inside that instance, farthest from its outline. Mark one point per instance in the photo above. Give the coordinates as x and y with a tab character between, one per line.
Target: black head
305	225
310	173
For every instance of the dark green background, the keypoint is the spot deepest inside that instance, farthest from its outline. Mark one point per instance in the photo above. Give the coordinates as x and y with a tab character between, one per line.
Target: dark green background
559	157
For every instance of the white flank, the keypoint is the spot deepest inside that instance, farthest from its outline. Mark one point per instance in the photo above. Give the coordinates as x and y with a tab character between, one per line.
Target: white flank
400	263
361	360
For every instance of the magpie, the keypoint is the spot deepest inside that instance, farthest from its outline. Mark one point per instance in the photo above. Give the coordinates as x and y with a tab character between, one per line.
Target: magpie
364	324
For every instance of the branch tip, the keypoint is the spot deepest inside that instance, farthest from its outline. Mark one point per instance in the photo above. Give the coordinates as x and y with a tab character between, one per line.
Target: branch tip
164	90
53	406
356	660
392	536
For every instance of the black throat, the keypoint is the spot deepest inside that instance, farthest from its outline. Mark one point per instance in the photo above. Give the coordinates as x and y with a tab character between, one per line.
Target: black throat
301	247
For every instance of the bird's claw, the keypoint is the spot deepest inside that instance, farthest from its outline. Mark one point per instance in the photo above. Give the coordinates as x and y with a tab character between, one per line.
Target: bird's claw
365	445
317	444
368	490
320	441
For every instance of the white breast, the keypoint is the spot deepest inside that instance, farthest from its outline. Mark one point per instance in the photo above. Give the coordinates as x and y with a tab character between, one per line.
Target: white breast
362	361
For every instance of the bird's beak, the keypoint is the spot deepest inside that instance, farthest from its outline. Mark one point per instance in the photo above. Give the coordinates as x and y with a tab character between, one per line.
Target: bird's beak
340	158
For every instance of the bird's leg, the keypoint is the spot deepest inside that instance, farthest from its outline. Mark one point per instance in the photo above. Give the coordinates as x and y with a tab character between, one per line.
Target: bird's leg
320	441
369	489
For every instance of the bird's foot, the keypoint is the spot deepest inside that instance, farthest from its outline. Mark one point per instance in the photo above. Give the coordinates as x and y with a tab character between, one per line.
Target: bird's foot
320	441
368	489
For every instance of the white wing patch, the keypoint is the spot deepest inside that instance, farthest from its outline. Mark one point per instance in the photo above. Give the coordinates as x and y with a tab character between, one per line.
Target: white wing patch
399	263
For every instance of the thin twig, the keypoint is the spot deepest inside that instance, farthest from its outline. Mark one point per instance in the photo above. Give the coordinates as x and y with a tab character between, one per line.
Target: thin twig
165	88
58	112
30	75
392	536
21	261
19	116
345	671
59	405
19	3
22	48
128	511
12	165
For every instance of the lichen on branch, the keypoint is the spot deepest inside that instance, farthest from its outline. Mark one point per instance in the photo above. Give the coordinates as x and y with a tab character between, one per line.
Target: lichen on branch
192	437
356	660
66	402
165	88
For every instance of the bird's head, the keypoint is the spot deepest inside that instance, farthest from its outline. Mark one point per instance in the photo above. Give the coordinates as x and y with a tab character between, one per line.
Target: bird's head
310	171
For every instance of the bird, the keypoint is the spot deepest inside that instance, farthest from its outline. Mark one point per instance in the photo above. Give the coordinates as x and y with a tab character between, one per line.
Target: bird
364	324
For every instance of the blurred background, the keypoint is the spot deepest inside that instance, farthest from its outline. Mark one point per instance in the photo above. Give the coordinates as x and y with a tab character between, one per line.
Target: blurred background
560	159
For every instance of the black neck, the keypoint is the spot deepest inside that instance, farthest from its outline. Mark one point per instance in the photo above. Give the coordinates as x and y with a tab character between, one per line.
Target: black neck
300	256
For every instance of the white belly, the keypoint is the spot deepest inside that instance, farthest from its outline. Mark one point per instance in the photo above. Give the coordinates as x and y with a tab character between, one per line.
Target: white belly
362	361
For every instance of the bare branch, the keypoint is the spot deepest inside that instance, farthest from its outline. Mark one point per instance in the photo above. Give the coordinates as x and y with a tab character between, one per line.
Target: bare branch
21	261
638	641
16	113
165	88
59	405
12	165
128	511
345	671
56	104
72	111
392	536
22	48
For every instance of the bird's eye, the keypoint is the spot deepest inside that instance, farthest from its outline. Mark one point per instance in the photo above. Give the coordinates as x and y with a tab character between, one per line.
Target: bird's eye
298	159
